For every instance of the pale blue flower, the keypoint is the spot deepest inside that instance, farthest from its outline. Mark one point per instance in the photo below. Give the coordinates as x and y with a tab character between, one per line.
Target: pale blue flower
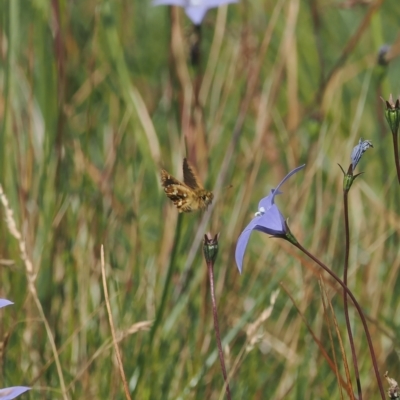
268	219
4	303
12	392
194	9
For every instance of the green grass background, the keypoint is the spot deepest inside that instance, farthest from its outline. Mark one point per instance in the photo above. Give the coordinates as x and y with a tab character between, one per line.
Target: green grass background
96	96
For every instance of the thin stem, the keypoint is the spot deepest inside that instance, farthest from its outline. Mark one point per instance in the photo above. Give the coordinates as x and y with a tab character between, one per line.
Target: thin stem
332	363
210	267
346	306
396	155
113	333
359	310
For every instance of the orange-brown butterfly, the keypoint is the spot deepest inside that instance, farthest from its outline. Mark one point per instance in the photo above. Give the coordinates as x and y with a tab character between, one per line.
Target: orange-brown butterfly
188	196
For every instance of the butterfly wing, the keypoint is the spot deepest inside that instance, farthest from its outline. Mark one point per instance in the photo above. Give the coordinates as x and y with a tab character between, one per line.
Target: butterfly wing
189	176
181	195
189	195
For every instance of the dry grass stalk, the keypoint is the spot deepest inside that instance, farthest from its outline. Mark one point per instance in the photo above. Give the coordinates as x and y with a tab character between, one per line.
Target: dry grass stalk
110	319
31	276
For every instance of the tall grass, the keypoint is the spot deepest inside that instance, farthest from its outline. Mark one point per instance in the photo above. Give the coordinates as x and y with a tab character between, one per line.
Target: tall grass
96	97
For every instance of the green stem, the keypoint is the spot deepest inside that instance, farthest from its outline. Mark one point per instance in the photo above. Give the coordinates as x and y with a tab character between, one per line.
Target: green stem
346	306
359	310
210	267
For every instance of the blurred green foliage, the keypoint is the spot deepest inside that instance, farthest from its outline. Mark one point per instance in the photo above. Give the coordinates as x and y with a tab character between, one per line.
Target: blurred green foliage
96	96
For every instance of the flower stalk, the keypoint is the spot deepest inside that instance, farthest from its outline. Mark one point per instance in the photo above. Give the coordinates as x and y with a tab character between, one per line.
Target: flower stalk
345	302
348	179
210	250
359	310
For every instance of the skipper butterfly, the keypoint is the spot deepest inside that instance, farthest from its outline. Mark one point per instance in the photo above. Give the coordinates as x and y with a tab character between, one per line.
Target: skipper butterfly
188	195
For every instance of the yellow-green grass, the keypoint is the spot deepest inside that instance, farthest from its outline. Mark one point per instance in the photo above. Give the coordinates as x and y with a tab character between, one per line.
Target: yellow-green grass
95	98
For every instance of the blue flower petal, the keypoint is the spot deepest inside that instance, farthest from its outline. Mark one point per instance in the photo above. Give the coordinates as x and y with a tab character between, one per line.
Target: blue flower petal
358	151
12	392
196	13
179	3
269	221
5	302
272	221
268	201
215	3
242	242
194	9
289	175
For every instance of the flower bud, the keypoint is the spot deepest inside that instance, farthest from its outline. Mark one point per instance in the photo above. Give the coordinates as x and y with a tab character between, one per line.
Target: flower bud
210	247
392	114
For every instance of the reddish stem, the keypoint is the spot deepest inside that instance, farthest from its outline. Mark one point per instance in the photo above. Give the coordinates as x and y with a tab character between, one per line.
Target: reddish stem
210	267
396	155
360	312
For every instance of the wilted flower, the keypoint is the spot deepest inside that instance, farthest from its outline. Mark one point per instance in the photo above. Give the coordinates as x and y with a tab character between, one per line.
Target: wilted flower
268	219
12	392
194	9
358	151
356	154
4	303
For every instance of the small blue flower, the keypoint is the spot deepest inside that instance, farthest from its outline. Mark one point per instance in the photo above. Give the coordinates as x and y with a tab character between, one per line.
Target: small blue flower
12	392
268	220
194	9
4	303
358	151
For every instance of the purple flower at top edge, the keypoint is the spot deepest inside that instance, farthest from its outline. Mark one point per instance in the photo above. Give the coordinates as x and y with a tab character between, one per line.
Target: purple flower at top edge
194	9
4	303
12	392
268	219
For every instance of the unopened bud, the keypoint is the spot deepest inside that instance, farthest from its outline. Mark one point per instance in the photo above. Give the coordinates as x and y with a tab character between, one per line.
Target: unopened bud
392	114
210	247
